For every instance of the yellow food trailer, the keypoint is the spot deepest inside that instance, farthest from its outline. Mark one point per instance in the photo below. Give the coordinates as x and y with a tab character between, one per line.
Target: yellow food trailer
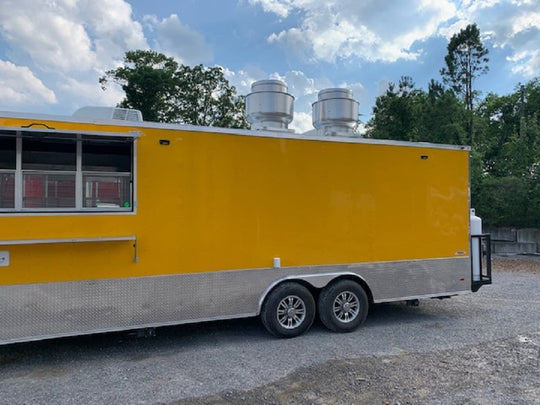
114	224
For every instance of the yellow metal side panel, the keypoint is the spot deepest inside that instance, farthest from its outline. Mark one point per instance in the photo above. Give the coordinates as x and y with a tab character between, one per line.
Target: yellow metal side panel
210	202
251	199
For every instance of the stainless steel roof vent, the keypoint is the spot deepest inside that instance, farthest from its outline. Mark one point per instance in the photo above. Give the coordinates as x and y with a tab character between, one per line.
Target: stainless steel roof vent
269	106
335	113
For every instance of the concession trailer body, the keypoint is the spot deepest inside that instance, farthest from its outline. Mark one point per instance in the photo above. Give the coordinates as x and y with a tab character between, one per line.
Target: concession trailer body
111	224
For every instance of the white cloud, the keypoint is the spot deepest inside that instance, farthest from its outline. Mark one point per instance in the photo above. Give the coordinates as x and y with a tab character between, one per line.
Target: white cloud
112	28
244	78
510	24
70	44
68	36
297	82
302	122
522	36
50	36
526	63
375	31
176	39
372	30
84	93
360	94
294	40
279	7
19	86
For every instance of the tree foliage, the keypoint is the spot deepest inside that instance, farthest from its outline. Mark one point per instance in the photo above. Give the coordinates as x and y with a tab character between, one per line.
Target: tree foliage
165	91
407	113
465	61
147	78
443	116
205	98
509	135
395	113
508	187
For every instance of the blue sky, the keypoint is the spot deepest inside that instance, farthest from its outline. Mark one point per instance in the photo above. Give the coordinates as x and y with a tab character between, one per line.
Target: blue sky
52	52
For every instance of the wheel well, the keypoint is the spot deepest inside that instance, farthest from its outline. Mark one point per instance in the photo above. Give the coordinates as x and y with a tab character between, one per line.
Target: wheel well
314	290
356	279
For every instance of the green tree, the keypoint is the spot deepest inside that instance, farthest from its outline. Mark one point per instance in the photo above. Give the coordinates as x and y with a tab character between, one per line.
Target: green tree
443	116
506	189
504	201
148	80
508	134
466	60
205	97
411	114
165	91
396	113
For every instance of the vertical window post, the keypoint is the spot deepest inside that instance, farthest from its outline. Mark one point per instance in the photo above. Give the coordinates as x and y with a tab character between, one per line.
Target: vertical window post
78	175
18	173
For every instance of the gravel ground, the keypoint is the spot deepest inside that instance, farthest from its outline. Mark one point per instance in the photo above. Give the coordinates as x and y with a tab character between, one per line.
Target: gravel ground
481	348
501	371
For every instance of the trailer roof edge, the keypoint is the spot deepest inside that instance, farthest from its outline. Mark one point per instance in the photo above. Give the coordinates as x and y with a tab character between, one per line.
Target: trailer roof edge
230	131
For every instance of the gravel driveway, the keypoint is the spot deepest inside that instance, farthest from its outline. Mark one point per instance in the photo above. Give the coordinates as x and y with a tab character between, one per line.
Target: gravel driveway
481	348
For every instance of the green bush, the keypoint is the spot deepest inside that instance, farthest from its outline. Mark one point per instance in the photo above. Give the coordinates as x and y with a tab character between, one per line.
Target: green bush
508	201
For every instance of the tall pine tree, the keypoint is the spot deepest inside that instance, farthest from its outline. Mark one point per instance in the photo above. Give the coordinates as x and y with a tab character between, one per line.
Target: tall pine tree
466	60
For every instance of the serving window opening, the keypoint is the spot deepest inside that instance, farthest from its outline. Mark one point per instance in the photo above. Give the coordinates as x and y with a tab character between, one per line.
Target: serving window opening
107	173
65	171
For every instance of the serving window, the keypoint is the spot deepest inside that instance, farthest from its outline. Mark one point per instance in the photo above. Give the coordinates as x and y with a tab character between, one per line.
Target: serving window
66	171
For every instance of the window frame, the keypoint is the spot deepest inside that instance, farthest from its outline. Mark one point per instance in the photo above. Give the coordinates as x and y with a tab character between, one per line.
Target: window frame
78	137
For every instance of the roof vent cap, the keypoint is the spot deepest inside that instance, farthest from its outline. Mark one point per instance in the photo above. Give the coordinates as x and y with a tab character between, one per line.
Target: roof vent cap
269	106
335	113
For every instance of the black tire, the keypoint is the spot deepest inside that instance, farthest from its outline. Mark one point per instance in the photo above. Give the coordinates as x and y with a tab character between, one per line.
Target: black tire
288	311
343	306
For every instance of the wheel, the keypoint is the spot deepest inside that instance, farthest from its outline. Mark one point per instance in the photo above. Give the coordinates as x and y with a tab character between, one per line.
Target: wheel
288	311
343	306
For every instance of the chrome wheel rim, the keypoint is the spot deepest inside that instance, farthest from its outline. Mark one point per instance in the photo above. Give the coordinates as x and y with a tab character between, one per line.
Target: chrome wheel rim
291	312
346	307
